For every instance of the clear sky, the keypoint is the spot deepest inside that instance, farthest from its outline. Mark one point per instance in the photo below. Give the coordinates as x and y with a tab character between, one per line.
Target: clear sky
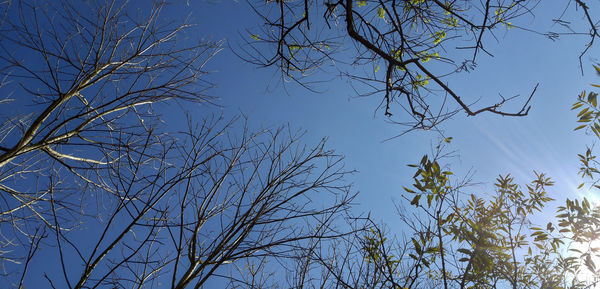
486	145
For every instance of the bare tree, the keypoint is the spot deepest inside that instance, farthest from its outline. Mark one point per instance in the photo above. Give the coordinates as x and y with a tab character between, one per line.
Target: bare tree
90	179
80	82
183	209
404	52
401	50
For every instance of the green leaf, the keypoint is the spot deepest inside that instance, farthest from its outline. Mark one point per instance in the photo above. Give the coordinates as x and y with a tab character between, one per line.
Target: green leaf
381	12
595	130
255	37
582	112
415	200
592	98
417	246
432	250
597	69
438	36
429	199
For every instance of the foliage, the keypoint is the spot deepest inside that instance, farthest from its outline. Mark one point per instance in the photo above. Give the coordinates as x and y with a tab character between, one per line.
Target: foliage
90	177
474	240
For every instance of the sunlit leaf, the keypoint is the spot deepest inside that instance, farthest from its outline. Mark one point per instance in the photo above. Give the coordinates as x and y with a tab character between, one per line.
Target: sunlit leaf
597	69
381	12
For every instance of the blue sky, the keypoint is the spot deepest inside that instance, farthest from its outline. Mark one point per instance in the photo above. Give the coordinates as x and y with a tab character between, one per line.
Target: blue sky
486	145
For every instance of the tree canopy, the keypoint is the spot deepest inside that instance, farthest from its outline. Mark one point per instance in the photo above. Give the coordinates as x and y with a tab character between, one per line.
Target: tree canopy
402	51
118	169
